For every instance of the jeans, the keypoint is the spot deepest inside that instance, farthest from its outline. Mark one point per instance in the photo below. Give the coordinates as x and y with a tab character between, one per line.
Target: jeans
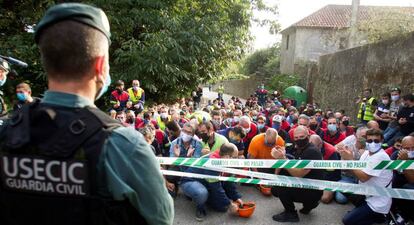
363	215
340	197
197	192
389	133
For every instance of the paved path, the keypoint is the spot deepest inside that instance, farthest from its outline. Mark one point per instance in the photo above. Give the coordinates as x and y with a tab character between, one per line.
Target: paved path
211	95
266	207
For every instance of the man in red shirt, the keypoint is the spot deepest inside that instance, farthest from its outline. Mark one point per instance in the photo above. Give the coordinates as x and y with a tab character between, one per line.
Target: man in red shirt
119	97
333	135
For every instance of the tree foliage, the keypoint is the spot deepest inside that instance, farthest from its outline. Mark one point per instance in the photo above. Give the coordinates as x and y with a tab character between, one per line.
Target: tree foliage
171	46
264	62
280	82
386	23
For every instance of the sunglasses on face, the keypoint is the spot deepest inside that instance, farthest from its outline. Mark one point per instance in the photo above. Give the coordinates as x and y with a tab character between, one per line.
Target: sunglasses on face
373	140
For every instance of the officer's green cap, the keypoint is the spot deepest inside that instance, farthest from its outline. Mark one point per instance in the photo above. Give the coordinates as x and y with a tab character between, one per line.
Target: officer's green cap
78	12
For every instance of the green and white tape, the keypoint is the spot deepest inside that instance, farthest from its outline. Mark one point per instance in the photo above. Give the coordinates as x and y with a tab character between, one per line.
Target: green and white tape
289	164
294	182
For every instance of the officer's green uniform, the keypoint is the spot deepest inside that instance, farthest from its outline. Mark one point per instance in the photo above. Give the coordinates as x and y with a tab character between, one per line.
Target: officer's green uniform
126	168
130	167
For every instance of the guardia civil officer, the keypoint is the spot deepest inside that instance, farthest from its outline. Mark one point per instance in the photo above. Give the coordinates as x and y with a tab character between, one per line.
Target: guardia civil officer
63	160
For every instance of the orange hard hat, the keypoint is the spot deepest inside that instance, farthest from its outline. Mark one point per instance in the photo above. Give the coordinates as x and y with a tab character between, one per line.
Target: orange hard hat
247	209
266	190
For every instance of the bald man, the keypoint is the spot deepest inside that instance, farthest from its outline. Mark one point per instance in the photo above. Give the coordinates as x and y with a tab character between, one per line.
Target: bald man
372	124
262	145
303	149
328	153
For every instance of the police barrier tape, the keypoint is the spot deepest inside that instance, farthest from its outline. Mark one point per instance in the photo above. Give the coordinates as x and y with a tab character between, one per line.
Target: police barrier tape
289	164
295	182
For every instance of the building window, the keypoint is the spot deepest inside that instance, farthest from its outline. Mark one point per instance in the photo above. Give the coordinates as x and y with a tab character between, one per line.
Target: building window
287	42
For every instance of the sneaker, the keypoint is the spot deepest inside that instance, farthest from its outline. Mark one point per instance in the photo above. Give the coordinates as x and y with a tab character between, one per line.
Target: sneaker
286	217
200	214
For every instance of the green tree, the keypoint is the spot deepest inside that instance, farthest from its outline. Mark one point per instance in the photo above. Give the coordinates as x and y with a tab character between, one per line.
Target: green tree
264	61
171	46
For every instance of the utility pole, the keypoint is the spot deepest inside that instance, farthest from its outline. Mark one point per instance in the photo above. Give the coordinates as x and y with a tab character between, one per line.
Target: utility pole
353	26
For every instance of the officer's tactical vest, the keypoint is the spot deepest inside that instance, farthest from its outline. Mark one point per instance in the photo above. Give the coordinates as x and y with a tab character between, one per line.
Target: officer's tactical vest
369	110
48	167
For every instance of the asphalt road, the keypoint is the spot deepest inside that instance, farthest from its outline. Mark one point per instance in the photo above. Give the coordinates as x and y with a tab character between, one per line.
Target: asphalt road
265	208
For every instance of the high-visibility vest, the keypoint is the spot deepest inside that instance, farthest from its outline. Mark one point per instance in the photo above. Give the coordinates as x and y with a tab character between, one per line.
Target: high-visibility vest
369	110
135	96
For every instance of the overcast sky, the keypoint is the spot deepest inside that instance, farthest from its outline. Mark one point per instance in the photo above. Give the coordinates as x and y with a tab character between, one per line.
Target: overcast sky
291	11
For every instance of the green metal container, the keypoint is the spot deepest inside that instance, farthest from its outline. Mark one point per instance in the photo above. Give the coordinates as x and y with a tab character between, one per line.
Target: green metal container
297	93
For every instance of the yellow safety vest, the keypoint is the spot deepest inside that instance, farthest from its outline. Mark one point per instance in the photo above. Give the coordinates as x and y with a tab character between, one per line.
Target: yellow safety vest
135	97
369	110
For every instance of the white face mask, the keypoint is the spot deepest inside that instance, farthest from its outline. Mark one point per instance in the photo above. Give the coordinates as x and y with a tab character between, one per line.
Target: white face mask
374	147
186	137
395	97
411	154
246	131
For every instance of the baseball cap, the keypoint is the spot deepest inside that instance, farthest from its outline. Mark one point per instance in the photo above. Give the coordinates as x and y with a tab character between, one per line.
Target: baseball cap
78	12
277	119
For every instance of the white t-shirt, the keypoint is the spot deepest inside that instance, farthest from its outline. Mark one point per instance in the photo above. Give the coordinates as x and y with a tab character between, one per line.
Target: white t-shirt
381	178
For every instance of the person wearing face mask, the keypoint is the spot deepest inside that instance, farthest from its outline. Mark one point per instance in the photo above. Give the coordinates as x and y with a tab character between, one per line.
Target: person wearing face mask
163	118
186	145
396	104
333	135
4	70
23	94
370	209
211	140
235	136
345	128
367	107
302	149
250	129
382	113
119	97
261	124
262	145
66	127
277	125
404	179
261	94
395	148
136	95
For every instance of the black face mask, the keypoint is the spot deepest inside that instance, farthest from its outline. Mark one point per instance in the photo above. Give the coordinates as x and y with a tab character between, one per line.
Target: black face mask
119	90
345	123
313	126
204	137
301	143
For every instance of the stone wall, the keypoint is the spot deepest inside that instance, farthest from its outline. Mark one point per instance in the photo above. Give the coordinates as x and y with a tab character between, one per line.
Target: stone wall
242	88
343	75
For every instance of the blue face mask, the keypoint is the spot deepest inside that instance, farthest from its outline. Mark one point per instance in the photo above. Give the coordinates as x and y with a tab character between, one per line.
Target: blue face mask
105	86
276	126
319	119
21	97
2	82
332	127
260	126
